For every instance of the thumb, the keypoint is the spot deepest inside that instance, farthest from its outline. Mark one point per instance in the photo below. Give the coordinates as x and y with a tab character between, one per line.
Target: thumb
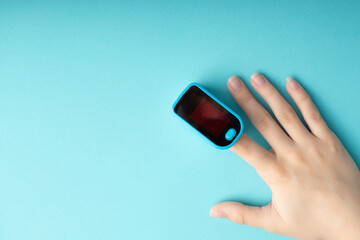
260	217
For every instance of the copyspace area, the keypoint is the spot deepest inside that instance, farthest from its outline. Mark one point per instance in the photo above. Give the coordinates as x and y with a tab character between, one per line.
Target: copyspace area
89	146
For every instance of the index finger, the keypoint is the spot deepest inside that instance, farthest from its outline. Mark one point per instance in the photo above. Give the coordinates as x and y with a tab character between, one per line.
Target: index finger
257	156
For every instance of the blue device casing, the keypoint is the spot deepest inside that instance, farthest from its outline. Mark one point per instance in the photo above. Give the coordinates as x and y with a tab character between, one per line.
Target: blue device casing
222	104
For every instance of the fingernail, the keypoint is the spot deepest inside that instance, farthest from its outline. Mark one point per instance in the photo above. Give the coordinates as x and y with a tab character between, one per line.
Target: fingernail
294	85
235	83
217	214
259	80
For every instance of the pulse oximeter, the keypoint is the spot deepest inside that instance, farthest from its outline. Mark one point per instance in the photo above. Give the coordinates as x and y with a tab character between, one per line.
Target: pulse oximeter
209	117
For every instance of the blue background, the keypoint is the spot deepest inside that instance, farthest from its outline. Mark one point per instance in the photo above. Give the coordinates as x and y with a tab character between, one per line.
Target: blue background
89	147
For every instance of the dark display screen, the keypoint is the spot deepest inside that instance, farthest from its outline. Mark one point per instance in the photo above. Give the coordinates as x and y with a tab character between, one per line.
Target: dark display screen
210	117
207	116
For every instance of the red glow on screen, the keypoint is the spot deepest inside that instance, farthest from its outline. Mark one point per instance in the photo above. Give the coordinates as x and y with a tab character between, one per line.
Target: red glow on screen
210	117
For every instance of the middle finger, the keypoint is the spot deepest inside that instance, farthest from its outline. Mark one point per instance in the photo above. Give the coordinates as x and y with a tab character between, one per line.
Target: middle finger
280	107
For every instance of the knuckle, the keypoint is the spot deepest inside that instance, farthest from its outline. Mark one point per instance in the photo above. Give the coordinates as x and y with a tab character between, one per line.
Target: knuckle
333	145
296	157
273	226
314	115
314	151
246	98
263	121
288	115
304	98
239	219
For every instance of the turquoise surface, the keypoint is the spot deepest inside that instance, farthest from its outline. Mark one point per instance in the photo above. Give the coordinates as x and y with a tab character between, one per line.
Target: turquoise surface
89	146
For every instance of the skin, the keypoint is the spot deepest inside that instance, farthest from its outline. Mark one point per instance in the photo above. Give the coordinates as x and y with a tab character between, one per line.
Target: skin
314	181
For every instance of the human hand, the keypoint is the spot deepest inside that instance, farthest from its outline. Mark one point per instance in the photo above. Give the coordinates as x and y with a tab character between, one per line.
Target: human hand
315	183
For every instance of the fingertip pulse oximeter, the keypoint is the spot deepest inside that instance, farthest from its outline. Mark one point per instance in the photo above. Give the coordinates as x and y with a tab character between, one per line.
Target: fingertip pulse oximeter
208	116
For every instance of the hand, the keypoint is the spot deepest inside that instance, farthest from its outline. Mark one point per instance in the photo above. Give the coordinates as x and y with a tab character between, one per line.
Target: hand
314	181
